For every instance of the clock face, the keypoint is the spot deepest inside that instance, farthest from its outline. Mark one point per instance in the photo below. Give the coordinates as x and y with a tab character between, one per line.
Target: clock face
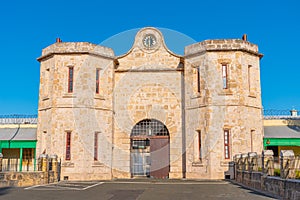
149	41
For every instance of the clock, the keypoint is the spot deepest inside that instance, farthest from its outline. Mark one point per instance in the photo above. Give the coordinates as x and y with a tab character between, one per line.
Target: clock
149	41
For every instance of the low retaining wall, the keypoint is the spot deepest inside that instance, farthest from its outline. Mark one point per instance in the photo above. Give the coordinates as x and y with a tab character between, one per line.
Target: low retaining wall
275	186
25	179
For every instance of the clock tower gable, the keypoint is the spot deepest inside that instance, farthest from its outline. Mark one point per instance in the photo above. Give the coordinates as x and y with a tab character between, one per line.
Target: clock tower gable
148	52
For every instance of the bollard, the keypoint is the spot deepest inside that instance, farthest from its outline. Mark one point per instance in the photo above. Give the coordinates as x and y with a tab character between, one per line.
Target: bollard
287	164
268	162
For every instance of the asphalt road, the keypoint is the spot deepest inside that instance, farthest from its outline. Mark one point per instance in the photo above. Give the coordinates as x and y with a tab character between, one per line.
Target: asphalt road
131	190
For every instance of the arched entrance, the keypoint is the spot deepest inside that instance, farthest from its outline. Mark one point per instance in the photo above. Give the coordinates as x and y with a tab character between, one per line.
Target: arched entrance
150	149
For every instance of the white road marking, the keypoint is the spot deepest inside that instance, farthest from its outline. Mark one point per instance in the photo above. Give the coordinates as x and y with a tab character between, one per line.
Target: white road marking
65	186
172	183
28	188
93	185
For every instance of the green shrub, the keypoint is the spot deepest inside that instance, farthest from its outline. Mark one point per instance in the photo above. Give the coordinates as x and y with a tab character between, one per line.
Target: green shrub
276	172
297	174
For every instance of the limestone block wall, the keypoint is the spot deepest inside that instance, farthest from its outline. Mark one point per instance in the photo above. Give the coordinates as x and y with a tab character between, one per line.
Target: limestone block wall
148	85
141	96
185	93
25	179
214	109
81	112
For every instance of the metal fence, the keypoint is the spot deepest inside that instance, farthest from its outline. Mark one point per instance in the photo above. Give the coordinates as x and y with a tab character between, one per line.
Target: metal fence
13	164
18	119
284	167
274	113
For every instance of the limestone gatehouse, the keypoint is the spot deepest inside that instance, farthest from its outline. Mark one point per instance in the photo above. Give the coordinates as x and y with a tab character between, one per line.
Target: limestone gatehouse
149	112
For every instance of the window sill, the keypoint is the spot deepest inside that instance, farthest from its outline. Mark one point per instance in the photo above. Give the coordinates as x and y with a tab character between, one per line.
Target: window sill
69	95
99	97
225	163
45	98
196	96
197	164
67	164
226	92
97	164
252	95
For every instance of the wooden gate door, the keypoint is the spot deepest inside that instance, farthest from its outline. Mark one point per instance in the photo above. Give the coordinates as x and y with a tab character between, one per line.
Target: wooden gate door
160	157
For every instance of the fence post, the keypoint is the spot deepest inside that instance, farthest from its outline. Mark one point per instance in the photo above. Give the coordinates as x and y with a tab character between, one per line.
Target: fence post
43	162
240	162
287	164
245	161
54	162
1	156
268	162
252	161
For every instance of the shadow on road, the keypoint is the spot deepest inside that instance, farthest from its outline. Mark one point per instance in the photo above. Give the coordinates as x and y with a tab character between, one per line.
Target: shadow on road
4	190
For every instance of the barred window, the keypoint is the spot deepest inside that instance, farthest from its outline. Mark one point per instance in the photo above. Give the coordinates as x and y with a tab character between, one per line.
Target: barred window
225	76
97	80
70	79
149	127
68	146
226	144
96	146
199	145
198	79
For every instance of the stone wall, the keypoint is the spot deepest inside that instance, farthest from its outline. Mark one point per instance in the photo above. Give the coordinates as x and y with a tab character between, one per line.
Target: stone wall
274	186
252	173
83	112
214	109
25	179
149	83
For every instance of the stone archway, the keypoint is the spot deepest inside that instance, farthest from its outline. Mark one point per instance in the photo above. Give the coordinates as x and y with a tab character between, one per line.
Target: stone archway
150	149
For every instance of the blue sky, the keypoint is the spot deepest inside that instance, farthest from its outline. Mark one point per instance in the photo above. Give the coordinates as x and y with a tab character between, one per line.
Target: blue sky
29	26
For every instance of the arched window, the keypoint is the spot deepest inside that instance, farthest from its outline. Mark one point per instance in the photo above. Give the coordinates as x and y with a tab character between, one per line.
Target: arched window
149	127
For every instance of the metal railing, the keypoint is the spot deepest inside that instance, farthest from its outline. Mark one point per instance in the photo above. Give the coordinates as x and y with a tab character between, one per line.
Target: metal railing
13	165
283	167
18	119
274	113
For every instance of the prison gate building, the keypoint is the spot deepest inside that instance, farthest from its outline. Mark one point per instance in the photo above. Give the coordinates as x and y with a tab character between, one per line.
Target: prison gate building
149	112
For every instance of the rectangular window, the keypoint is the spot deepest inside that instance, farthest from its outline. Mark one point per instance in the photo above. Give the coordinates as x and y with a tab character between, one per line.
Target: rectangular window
226	144
225	76
97	80
68	146
252	135
198	79
249	77
199	145
47	82
96	147
70	79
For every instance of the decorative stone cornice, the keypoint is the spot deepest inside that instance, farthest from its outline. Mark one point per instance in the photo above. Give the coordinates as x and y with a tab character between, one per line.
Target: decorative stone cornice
221	45
76	48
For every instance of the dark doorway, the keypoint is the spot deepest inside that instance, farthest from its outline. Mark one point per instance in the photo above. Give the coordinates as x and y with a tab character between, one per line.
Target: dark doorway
150	149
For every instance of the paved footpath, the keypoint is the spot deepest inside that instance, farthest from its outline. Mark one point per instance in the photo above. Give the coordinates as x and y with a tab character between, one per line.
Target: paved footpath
132	189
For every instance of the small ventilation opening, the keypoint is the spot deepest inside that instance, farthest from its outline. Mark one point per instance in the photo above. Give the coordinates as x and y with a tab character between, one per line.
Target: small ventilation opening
227	176
66	178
